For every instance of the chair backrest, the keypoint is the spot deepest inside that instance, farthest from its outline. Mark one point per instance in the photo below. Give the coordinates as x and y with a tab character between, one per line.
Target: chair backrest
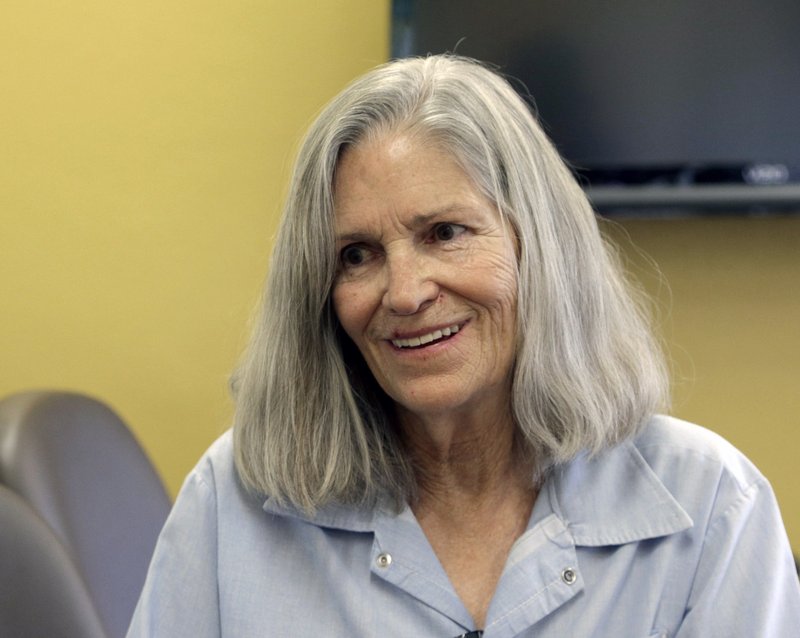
41	591
77	465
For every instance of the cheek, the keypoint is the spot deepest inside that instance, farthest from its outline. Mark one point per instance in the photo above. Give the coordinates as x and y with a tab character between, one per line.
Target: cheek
495	283
348	305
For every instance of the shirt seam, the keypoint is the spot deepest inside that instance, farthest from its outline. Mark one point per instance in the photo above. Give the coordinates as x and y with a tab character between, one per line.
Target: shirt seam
420	573
210	485
525	603
742	485
741	499
745	496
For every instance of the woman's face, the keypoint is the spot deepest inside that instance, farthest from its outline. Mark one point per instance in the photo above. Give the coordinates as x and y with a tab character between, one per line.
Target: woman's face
427	281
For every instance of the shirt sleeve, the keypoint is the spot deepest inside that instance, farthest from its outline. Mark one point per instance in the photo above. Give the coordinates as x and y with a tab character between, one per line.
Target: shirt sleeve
746	583
180	595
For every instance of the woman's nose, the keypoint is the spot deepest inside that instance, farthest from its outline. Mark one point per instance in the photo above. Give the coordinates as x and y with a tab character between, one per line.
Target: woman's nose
409	286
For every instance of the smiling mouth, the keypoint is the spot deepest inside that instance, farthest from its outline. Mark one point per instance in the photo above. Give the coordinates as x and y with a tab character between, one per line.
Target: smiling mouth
427	339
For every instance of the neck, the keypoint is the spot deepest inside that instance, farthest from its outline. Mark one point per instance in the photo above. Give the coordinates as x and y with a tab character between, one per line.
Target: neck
461	460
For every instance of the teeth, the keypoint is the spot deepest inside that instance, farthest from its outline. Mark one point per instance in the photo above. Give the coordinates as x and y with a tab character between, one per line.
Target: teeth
422	340
431	337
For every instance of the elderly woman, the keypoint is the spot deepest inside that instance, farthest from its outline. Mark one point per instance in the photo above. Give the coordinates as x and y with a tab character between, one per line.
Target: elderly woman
445	419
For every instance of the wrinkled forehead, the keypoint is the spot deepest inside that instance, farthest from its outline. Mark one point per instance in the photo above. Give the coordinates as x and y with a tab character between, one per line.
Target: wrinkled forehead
397	138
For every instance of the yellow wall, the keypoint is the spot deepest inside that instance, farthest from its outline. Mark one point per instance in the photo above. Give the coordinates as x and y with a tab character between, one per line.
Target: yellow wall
144	151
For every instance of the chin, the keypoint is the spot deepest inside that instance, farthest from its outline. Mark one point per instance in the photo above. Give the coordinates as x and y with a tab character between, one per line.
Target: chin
437	402
423	401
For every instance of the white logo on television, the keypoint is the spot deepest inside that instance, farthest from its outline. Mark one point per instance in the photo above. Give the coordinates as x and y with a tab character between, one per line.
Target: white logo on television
766	174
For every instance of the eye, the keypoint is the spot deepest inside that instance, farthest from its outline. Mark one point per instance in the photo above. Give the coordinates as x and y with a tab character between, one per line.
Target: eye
353	255
447	231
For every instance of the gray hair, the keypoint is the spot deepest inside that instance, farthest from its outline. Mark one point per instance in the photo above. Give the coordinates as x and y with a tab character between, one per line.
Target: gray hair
311	425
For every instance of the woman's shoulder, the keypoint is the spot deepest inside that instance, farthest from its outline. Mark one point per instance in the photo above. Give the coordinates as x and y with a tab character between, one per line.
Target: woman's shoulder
216	463
688	456
214	480
220	453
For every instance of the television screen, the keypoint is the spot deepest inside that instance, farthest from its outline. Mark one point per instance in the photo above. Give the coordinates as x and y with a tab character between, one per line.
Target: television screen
654	104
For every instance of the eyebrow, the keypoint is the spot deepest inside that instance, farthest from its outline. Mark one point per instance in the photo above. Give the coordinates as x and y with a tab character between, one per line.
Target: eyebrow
423	219
419	220
355	237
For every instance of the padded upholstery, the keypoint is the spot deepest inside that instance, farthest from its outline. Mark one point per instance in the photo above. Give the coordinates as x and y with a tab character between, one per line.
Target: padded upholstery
41	592
77	465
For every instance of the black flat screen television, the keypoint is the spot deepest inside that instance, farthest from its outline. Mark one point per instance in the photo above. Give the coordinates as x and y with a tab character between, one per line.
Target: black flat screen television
658	106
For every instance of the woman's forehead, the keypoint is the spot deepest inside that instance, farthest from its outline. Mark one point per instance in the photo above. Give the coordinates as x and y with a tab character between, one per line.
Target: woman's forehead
401	172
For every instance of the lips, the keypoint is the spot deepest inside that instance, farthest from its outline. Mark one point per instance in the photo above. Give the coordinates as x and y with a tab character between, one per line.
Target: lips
426	339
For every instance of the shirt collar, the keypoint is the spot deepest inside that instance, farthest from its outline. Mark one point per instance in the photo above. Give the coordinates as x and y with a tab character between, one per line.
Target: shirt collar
613	498
350	518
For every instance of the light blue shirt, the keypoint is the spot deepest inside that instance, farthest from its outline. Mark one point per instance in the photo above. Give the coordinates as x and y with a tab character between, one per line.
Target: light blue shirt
673	534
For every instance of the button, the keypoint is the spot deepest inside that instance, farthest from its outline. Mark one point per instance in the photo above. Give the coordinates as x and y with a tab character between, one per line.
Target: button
384	560
569	576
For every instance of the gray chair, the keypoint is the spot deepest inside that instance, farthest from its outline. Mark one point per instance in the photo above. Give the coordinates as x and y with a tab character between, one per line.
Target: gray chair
41	591
77	465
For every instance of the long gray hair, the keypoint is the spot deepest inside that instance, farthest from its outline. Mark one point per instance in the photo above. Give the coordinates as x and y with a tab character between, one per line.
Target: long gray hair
312	427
